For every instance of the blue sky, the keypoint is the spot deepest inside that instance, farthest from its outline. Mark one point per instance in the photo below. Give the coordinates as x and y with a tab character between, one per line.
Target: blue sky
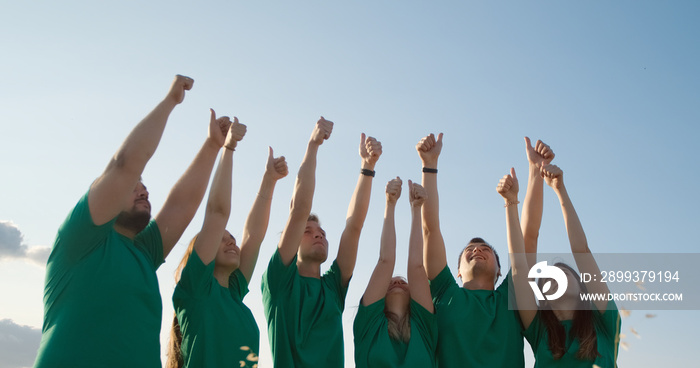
611	86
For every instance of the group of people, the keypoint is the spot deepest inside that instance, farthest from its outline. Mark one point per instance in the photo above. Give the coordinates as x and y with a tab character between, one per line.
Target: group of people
102	305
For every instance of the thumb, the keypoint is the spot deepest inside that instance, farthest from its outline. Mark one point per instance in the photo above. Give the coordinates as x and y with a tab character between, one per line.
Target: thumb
512	173
439	138
270	154
527	141
213	114
363	137
410	184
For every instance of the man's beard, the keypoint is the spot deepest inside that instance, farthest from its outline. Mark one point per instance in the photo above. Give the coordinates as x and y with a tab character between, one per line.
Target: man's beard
135	221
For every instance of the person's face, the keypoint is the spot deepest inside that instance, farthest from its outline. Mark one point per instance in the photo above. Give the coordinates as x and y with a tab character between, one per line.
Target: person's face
314	245
138	201
229	254
397	292
477	258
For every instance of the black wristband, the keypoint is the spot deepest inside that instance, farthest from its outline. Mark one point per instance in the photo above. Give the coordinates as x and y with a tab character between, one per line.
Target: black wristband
429	170
367	172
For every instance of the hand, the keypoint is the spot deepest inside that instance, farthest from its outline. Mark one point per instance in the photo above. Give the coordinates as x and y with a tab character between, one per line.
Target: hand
322	131
508	187
429	150
178	88
553	176
370	150
218	128
276	167
236	131
540	155
393	190
417	194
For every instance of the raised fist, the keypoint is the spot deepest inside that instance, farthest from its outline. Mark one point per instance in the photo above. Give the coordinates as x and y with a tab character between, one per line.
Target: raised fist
370	150
322	131
236	131
429	150
508	187
540	155
276	167
393	190
178	88
553	176
417	194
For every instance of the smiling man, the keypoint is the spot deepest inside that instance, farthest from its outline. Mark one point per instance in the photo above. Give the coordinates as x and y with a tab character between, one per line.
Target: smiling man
475	326
102	306
303	308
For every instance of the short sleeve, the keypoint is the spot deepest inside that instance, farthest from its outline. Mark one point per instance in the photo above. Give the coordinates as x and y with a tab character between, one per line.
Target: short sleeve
237	284
533	333
78	235
278	277
441	284
368	316
610	322
151	243
334	281
196	279
426	323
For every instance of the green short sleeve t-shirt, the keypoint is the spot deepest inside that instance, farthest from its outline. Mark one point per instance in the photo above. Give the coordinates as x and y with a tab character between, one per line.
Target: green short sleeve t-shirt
475	327
303	315
102	306
374	347
607	328
218	330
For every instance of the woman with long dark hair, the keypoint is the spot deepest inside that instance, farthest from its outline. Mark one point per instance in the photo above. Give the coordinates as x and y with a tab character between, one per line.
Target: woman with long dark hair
395	325
567	331
212	327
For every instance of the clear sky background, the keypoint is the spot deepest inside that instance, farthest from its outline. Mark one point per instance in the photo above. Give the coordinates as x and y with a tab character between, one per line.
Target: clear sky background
613	87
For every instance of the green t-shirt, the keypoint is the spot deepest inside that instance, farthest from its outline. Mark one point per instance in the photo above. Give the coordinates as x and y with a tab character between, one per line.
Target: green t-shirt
475	327
607	328
218	330
102	306
374	347
303	315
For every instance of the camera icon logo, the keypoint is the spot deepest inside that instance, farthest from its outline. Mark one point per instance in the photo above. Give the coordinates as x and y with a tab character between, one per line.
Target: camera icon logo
543	271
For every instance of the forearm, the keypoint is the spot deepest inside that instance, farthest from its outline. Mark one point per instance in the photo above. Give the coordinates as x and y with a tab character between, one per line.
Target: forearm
256	226
532	212
219	201
140	145
434	255
574	229
184	198
387	249
415	241
190	188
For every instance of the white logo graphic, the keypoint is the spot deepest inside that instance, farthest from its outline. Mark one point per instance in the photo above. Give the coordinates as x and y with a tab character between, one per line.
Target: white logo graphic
543	271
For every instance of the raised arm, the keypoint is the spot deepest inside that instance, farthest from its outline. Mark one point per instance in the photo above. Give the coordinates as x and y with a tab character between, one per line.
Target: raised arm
259	216
554	177
537	157
219	202
508	189
186	195
381	277
370	150
417	279
303	196
434	249
109	192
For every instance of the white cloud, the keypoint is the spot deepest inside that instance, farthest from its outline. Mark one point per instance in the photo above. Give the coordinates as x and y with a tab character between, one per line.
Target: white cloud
12	246
18	344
